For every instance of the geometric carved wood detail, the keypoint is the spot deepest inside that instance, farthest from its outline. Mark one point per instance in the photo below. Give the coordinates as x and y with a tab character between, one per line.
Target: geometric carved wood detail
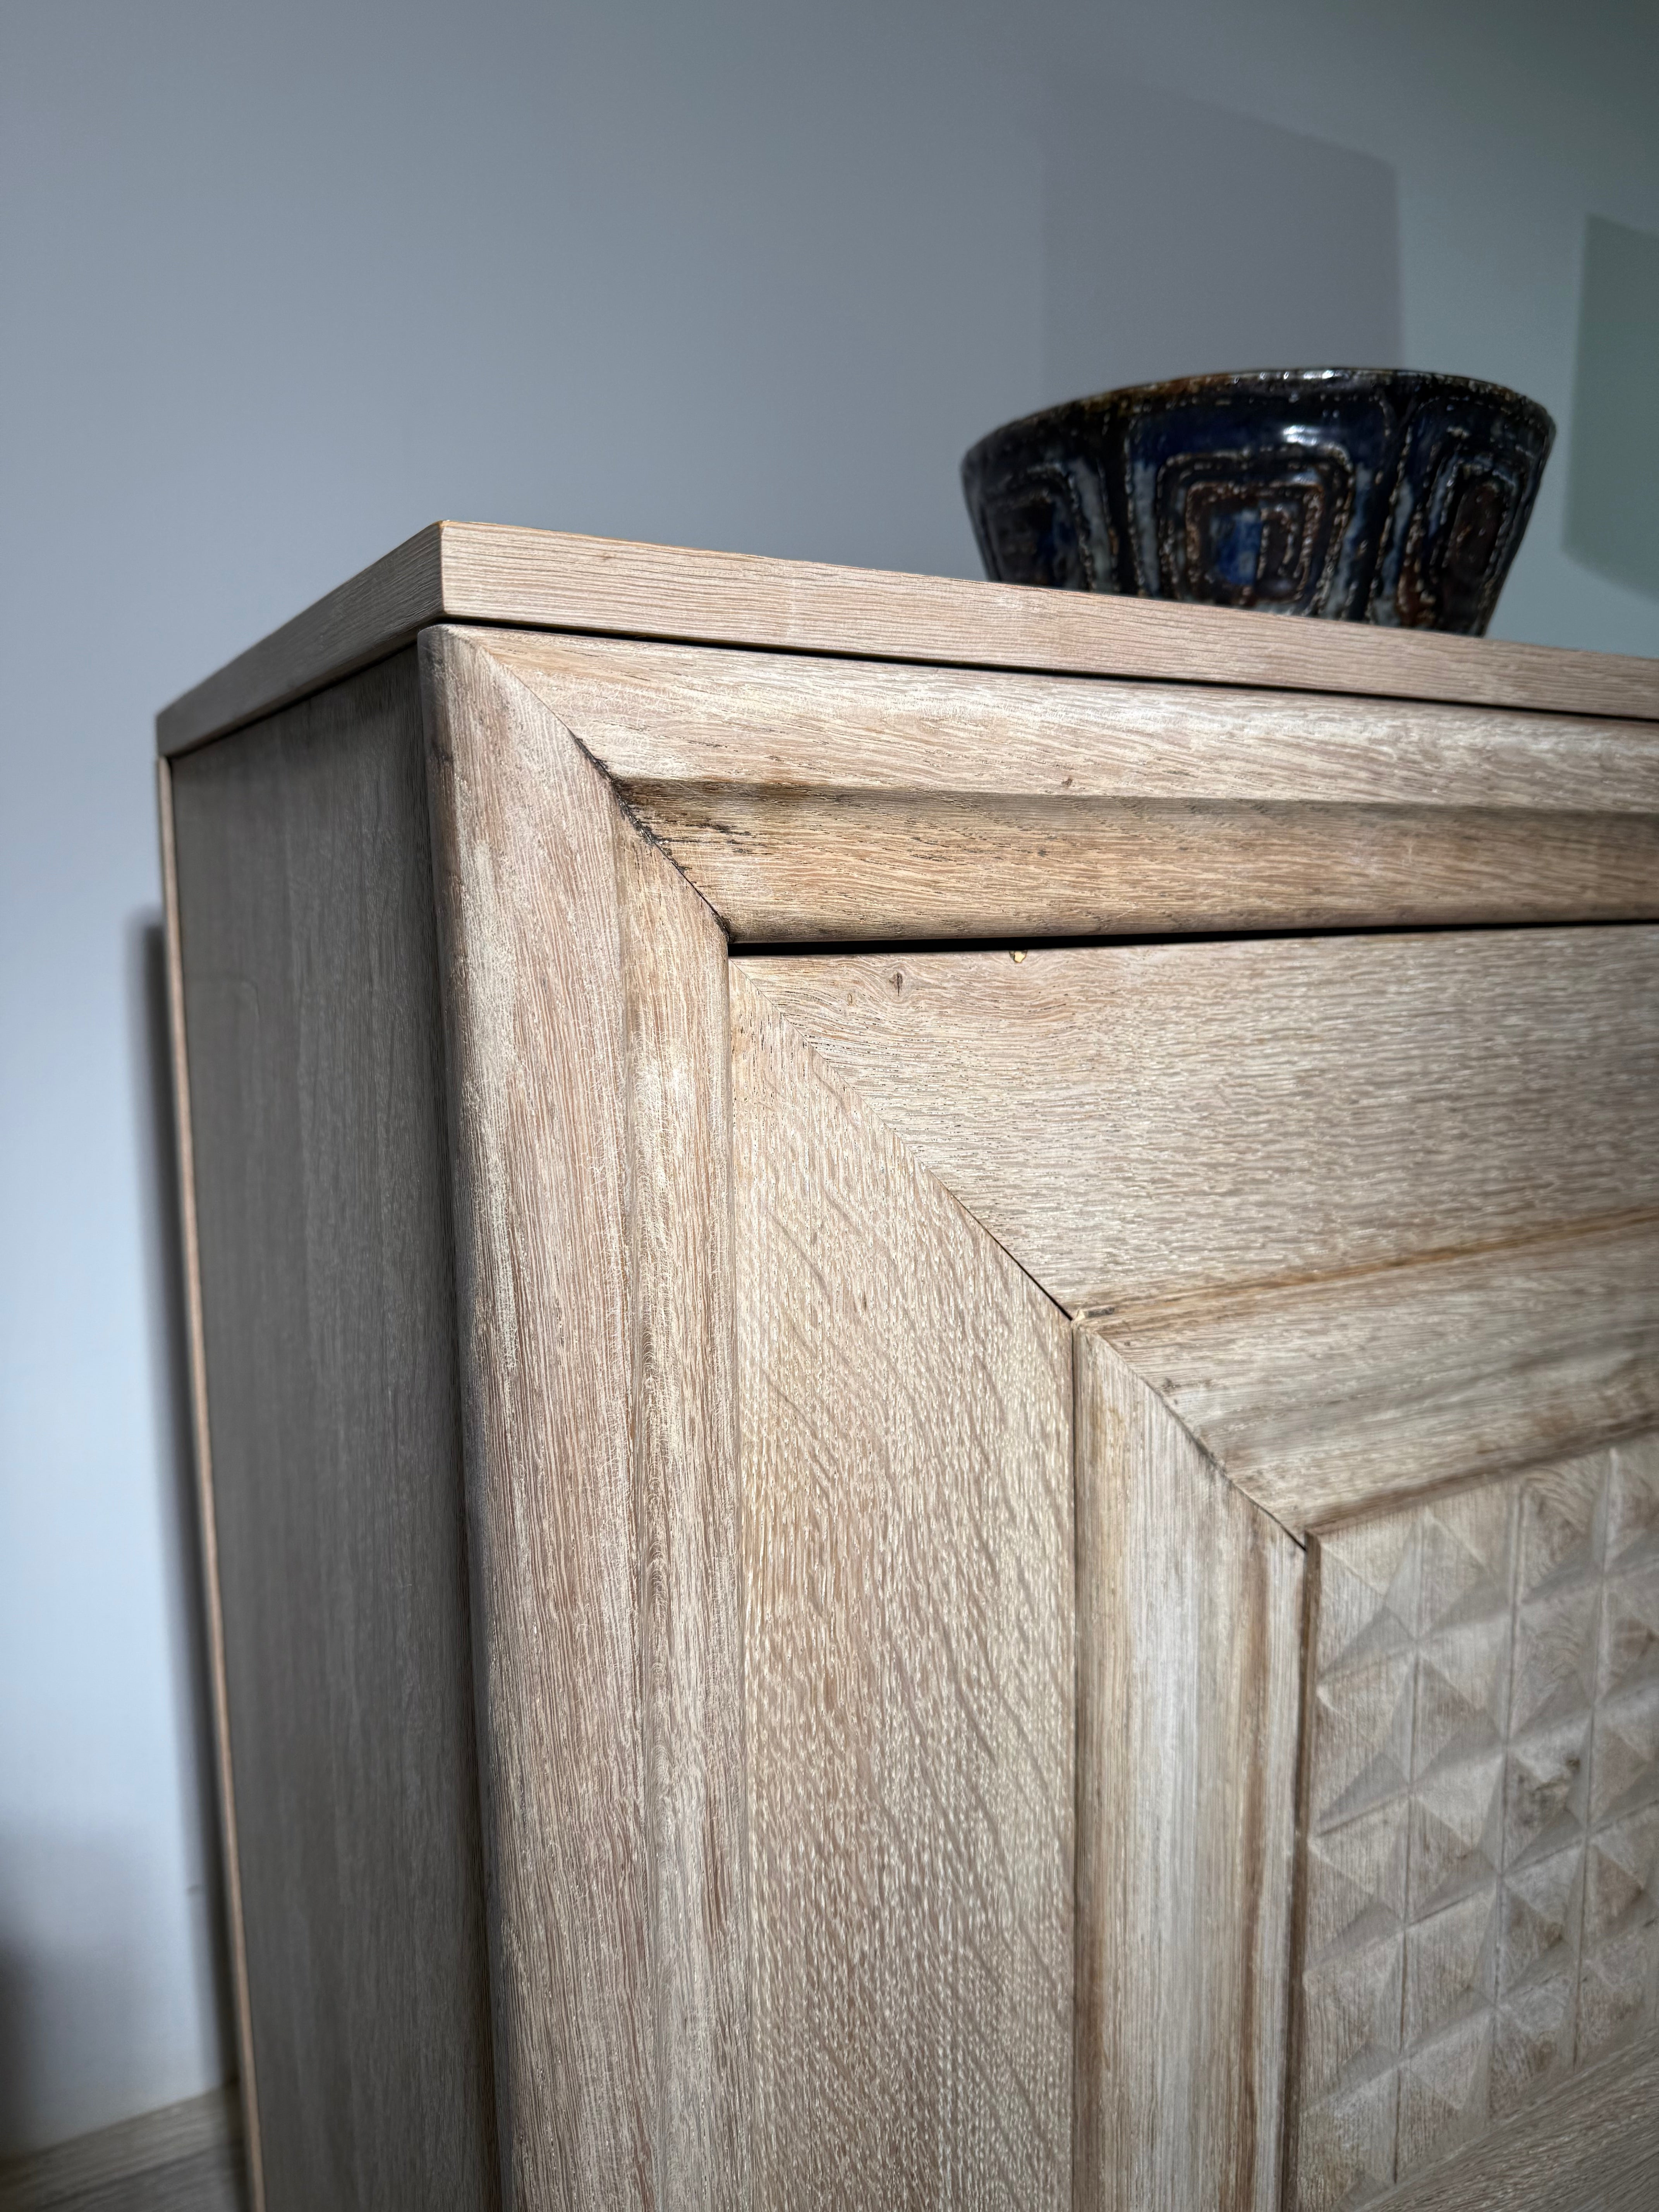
1479	1906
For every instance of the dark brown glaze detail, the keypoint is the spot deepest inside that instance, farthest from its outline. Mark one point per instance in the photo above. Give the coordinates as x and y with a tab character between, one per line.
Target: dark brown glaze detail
1382	496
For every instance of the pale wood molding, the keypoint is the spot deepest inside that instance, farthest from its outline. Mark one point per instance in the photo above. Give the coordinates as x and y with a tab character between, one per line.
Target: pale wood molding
661	719
474	572
183	2158
1189	1697
848	867
1339	1395
815	798
584	990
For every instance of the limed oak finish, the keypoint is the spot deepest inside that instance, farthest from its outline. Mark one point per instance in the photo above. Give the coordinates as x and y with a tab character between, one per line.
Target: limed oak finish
926	1334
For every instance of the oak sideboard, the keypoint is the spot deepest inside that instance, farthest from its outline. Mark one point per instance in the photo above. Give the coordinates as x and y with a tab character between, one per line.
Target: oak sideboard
926	1330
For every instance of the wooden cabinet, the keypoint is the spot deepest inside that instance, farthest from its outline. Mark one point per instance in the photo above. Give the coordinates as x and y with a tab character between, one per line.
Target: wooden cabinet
927	1353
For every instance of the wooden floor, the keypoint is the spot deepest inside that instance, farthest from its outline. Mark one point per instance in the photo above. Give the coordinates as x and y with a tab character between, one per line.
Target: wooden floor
186	2158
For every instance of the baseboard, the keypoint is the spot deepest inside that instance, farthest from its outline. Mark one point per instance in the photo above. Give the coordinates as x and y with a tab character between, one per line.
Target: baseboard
186	2158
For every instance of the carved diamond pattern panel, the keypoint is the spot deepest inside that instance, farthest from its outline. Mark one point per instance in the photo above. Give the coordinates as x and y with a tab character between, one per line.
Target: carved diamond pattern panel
1480	1871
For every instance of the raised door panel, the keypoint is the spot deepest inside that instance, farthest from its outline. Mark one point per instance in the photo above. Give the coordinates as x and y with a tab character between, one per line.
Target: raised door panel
905	1400
1480	1877
1360	1236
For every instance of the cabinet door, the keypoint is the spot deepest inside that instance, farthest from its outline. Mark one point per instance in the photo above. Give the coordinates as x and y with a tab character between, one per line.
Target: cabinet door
1346	1253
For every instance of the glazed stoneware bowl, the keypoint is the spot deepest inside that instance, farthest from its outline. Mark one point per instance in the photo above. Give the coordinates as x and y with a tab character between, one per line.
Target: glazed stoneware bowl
1362	494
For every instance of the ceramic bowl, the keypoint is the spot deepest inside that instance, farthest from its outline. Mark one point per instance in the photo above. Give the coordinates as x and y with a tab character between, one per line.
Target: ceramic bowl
1361	494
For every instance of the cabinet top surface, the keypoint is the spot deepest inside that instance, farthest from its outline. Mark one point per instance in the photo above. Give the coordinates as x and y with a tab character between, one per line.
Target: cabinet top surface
545	580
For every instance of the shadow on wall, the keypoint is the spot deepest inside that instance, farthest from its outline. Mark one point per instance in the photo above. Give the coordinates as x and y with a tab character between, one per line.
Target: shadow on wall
68	1906
71	1996
14	2034
1179	237
1613	460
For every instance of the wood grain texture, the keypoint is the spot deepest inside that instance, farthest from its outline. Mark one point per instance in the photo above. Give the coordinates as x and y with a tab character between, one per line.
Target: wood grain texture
369	617
1137	1121
1322	1398
472	572
813	798
1482	1856
317	1104
202	1458
184	2157
586	1002
847	868
905	1396
1189	1680
663	718
1591	2146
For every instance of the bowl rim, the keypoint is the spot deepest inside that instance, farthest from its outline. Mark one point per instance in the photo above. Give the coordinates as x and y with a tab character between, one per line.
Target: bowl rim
1172	390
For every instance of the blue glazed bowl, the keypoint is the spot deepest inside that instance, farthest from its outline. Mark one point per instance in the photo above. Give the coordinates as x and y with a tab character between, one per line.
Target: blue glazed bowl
1360	494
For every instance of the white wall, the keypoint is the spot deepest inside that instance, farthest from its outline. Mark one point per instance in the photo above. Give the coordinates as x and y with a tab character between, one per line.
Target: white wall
281	283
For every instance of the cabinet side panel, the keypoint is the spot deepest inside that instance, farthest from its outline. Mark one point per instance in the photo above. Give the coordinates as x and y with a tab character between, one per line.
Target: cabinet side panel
1189	1674
202	1455
317	1098
904	1395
